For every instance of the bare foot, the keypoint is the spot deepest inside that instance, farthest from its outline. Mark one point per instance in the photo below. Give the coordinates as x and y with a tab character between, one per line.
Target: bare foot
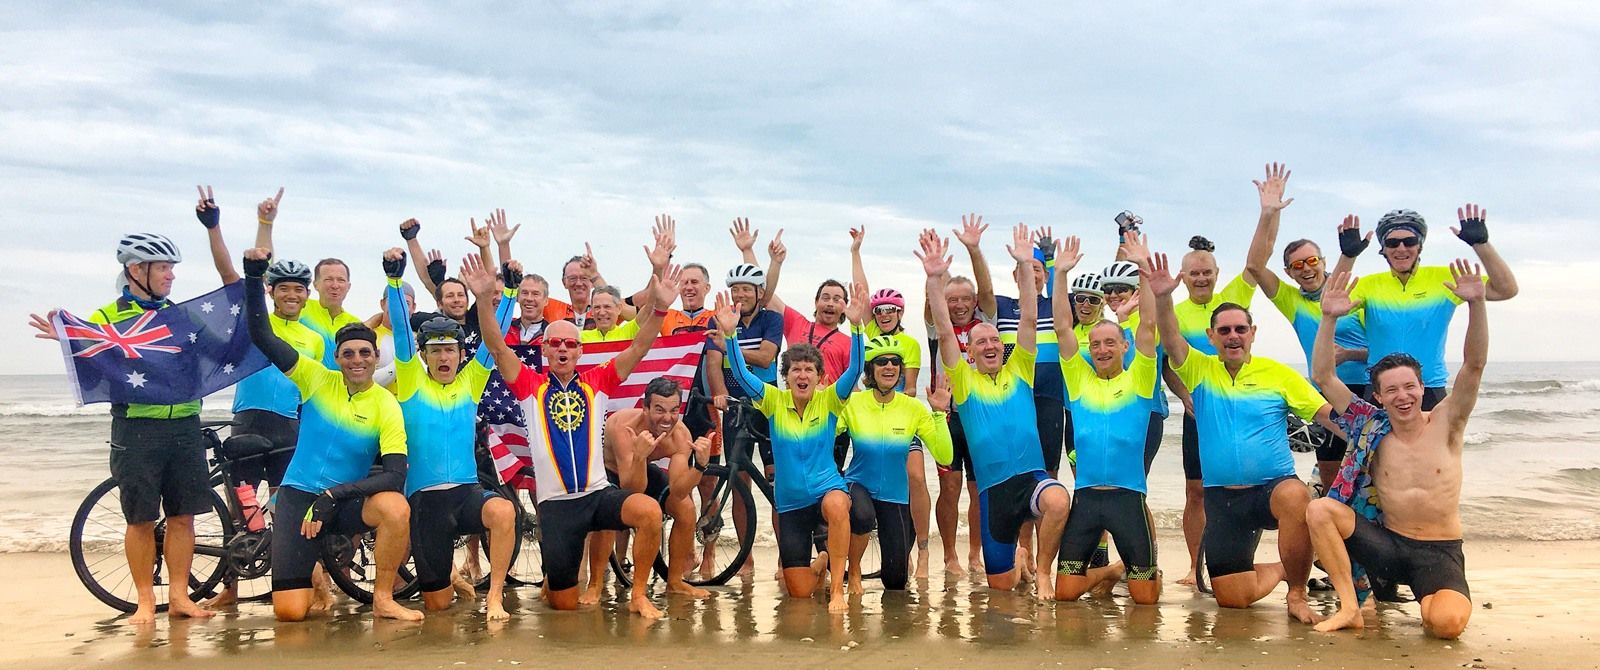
497	611
837	604
1044	593
464	589
186	608
321	597
975	559
1300	610
684	589
1025	571
855	587
590	596
749	567
922	564
641	605
952	566
1188	579
387	608
228	597
1370	605
1346	617
144	616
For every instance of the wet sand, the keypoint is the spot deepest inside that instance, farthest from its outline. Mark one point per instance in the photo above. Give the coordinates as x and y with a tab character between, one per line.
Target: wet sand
1535	605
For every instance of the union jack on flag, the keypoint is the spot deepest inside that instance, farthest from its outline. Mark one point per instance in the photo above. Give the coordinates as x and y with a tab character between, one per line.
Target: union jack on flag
165	356
673	356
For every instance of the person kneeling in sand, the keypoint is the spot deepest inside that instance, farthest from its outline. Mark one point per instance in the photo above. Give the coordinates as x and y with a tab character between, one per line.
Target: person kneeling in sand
1415	538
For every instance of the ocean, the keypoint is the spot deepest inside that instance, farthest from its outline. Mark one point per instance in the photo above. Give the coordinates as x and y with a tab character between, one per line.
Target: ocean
1532	469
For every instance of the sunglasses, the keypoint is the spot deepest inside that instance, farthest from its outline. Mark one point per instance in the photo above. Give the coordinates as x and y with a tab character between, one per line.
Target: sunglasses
1396	242
561	343
885	309
889	360
1231	330
1118	288
1086	299
1313	262
353	354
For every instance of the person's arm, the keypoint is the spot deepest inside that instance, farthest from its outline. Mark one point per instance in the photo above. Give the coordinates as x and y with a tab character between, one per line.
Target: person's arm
971	236
662	290
481	283
1157	272
765	353
689	459
660	255
511	272
1468	285
632	453
1347	263
1144	337
1266	237
1335	303
1021	250
409	229
935	262
211	217
1475	232
934	430
777	253
277	351
265	217
405	343
711	363
1066	256
727	321
858	271
859	312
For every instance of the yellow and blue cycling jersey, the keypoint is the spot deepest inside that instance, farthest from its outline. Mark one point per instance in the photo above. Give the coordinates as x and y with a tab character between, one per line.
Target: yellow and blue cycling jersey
1305	314
802	444
341	434
1195	318
1243	419
880	439
319	319
997	415
269	389
1413	318
1109	417
441	419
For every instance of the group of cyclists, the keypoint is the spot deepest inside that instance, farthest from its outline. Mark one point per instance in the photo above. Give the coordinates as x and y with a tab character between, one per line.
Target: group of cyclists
383	414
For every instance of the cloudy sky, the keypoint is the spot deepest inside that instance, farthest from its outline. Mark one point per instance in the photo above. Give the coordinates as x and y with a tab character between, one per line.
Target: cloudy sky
584	121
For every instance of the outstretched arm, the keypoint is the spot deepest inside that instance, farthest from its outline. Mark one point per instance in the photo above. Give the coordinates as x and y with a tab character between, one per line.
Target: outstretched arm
662	290
1021	250
727	322
777	253
481	282
1335	303
1266	237
1066	255
1474	231
858	271
1468	285
859	311
211	217
935	262
1134	247
1158	274
971	236
934	430
282	356
266	215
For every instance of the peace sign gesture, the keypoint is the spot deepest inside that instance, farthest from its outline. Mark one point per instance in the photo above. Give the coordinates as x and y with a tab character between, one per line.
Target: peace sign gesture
207	210
267	211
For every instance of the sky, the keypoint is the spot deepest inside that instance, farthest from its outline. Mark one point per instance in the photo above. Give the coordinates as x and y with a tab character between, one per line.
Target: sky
585	120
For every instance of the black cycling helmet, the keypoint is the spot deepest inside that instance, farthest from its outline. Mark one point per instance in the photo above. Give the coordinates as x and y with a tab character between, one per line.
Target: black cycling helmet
1402	219
440	330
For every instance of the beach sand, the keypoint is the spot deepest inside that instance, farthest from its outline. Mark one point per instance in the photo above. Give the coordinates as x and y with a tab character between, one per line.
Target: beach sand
1535	605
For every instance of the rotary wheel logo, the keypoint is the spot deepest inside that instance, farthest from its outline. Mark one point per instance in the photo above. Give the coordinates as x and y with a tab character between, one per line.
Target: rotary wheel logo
566	409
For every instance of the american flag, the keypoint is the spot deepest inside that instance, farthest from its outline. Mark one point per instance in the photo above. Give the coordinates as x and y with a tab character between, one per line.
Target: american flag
167	356
673	356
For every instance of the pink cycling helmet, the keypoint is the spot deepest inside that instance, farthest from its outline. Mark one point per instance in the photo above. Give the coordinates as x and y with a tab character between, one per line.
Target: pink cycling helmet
888	296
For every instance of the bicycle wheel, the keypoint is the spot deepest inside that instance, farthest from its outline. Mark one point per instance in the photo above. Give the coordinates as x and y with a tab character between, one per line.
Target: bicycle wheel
719	551
527	564
353	566
872	558
96	546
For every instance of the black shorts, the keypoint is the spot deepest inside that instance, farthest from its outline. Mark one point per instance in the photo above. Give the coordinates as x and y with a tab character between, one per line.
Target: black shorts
841	449
1191	448
1002	510
745	430
1429	566
1153	433
961	460
1096	511
1234	521
283	432
1055	430
438	517
564	525
893	522
797	534
160	466
294	556
656	483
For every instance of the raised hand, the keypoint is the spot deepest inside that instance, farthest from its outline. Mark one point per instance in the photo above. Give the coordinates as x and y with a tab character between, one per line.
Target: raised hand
744	237
409	229
1351	242
971	231
859	309
587	264
939	397
256	260
511	274
665	233
1044	242
1130	305
702	448
436	267
1466	281
480	235
47	330
1473	229
776	251
1021	247
1067	252
856	237
207	210
664	287
502	233
1136	248
1271	190
934	254
727	315
1159	273
1336	300
394	262
478	279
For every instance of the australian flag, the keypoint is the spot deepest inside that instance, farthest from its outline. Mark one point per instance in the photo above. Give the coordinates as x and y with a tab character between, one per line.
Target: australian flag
167	356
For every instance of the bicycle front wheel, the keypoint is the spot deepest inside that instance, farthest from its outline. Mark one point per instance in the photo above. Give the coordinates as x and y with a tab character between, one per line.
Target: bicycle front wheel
352	564
96	543
724	502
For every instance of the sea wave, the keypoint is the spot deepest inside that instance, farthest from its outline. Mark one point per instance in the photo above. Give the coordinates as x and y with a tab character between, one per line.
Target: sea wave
1540	387
48	410
1535	415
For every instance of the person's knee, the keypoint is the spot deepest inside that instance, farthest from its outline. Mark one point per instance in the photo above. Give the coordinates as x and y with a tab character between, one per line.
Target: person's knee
565	599
1233	591
641	512
1071	587
181	521
682	509
292	606
1325	512
499	513
1290	498
836	507
389	509
1446	614
1054	502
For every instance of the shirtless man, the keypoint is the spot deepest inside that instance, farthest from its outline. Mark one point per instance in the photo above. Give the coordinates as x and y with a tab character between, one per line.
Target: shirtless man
1417	539
658	422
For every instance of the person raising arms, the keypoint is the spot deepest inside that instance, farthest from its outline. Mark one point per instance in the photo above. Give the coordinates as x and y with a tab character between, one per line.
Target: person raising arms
324	314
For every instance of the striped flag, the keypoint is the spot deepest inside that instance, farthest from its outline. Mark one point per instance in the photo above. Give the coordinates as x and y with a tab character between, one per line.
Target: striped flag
676	357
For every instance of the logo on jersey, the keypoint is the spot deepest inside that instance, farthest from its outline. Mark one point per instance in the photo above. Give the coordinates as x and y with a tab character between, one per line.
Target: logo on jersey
566	410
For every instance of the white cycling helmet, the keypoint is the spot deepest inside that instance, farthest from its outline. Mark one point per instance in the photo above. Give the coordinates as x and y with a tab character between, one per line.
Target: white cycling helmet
147	248
1120	273
745	273
1088	282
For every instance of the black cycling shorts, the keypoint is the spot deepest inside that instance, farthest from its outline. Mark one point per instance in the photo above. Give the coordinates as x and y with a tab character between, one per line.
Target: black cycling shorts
293	555
1122	513
1234	521
1191	448
961	460
893	523
1055	430
564	524
160	466
1003	509
438	517
1153	433
283	432
656	483
1428	566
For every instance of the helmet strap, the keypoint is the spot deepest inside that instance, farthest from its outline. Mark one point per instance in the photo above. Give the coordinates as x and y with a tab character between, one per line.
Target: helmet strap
152	301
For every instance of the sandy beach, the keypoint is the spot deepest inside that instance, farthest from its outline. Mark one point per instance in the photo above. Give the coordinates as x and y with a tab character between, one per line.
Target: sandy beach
1530	597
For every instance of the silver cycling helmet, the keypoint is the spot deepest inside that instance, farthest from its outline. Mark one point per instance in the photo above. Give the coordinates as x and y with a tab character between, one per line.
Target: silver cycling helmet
745	273
283	271
1120	273
1088	282
147	248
